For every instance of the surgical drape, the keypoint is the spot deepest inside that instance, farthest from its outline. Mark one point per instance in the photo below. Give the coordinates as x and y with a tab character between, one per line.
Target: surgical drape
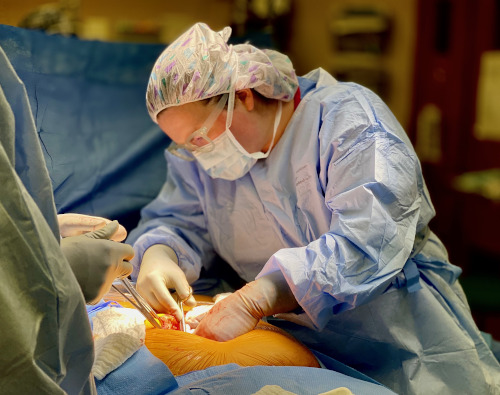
102	151
45	337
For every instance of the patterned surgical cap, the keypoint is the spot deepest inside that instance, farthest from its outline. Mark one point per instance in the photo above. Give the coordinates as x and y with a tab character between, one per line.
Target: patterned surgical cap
200	64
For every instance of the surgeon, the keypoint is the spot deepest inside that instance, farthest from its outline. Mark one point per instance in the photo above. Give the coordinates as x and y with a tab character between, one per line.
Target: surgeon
46	342
310	189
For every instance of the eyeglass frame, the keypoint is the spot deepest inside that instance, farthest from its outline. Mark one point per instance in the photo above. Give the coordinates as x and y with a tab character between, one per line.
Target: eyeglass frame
202	132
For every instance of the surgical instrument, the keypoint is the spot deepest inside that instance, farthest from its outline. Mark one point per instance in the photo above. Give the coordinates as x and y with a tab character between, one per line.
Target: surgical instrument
180	303
139	303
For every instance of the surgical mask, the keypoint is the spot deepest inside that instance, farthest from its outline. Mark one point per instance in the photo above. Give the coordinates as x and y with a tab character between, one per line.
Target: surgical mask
228	159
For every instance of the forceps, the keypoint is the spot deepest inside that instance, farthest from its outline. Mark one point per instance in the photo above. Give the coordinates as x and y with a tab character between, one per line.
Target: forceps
183	320
180	303
139	303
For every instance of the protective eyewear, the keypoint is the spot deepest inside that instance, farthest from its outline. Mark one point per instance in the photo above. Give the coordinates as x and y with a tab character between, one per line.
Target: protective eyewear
199	140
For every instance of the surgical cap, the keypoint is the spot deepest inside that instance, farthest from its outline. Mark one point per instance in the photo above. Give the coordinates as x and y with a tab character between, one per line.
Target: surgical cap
200	64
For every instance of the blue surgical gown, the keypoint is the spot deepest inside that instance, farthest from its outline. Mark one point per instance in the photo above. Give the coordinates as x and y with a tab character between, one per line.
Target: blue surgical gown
45	342
341	209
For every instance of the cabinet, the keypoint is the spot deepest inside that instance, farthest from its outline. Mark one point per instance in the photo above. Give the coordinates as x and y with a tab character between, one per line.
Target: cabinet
452	36
378	54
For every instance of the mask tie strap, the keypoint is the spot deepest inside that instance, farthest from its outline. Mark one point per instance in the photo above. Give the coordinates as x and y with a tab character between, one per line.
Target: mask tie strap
277	119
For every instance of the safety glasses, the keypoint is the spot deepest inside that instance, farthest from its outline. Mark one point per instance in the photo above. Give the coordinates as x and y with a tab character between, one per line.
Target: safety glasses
199	140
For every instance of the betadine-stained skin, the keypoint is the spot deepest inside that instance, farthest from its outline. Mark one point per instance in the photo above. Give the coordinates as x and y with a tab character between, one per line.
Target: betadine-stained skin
266	345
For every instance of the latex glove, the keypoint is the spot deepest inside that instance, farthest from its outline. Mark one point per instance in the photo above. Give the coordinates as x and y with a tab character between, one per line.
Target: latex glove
97	261
240	312
160	272
195	315
78	224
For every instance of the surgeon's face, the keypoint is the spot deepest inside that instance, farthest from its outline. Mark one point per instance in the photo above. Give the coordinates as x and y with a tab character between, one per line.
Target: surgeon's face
248	126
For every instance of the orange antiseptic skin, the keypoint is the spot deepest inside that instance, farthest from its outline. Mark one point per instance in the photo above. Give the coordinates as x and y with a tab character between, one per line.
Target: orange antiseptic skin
266	345
184	352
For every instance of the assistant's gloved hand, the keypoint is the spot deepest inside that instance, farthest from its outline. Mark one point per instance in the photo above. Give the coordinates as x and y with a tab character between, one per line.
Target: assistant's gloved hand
240	312
97	261
159	272
77	224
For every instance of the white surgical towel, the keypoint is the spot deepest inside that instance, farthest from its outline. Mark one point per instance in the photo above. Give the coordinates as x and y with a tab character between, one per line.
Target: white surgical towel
118	334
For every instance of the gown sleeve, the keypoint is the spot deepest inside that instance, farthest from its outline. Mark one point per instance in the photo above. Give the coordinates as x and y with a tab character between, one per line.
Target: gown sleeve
176	219
373	189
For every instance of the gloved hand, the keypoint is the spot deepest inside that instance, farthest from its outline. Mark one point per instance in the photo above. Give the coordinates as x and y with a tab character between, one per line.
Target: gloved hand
78	224
97	261
159	272
195	315
240	312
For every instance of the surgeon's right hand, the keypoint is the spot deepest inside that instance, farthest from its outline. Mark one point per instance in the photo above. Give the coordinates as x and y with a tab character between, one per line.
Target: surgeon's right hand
97	261
160	272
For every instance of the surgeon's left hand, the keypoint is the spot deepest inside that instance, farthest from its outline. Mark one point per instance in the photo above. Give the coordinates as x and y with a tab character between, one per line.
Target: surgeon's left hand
77	224
240	312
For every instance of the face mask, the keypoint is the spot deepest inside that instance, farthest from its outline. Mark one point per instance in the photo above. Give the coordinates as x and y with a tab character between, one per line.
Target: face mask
228	159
